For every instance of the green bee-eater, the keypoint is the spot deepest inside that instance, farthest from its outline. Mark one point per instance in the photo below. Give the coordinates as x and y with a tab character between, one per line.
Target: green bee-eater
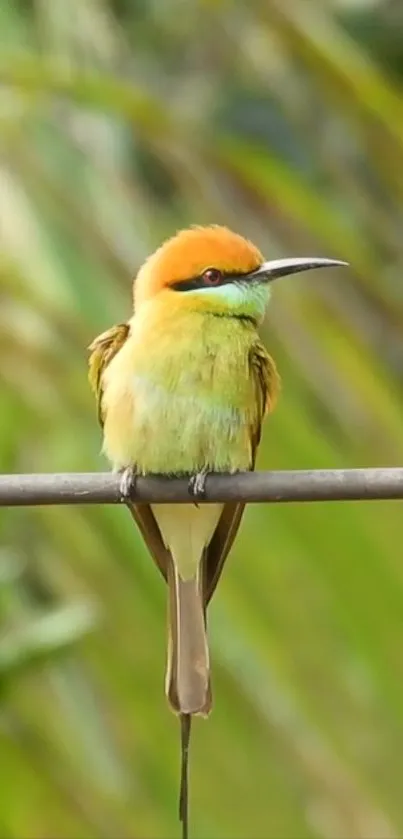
183	388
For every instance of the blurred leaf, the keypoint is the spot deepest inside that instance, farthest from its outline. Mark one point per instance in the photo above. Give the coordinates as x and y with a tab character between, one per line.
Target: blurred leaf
119	123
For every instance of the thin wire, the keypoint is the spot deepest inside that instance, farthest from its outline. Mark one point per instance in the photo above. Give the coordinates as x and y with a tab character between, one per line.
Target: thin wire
307	485
186	722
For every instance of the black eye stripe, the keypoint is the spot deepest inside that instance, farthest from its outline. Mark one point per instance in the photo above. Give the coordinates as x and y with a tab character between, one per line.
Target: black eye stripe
199	282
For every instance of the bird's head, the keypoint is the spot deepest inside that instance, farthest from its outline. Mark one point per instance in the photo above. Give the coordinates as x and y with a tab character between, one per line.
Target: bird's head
212	269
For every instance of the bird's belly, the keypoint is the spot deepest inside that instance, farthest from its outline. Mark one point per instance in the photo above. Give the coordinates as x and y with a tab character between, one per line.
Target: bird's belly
170	432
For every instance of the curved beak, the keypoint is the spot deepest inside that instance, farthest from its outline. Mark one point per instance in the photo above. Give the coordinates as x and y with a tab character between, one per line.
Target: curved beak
283	267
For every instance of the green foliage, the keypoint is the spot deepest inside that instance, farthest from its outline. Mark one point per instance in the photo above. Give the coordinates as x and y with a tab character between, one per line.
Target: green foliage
121	122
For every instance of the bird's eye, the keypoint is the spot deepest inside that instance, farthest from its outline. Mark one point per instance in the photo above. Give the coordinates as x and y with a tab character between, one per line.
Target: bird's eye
212	276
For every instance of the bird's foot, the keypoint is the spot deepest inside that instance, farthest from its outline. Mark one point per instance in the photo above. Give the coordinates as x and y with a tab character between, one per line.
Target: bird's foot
197	484
127	483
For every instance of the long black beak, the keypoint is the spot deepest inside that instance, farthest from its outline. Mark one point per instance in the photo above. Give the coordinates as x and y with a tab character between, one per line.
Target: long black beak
283	267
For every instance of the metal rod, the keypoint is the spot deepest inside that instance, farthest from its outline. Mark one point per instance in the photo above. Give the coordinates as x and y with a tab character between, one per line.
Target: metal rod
286	486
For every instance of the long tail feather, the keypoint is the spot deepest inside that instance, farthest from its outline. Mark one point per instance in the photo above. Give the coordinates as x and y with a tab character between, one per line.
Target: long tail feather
186	533
186	722
188	669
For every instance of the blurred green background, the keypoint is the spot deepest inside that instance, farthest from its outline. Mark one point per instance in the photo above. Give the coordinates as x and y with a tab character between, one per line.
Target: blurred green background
120	121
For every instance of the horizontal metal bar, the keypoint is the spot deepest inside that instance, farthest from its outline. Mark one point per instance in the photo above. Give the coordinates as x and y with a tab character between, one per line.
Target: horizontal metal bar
285	486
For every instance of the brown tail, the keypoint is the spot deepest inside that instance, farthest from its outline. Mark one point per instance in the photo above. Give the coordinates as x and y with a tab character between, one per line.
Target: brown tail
188	669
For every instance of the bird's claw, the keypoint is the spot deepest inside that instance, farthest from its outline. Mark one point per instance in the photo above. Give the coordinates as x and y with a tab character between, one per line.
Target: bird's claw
127	483
197	485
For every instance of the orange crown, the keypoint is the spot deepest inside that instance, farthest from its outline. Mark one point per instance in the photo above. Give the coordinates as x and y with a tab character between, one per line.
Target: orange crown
189	253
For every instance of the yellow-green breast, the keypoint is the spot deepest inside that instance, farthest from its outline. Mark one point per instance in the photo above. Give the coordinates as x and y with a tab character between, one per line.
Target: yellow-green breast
179	396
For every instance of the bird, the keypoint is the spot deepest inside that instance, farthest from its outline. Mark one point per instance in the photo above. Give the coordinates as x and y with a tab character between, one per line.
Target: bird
182	389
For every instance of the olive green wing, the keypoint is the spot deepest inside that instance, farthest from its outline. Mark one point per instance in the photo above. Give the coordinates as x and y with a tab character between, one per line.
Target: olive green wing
266	382
102	351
